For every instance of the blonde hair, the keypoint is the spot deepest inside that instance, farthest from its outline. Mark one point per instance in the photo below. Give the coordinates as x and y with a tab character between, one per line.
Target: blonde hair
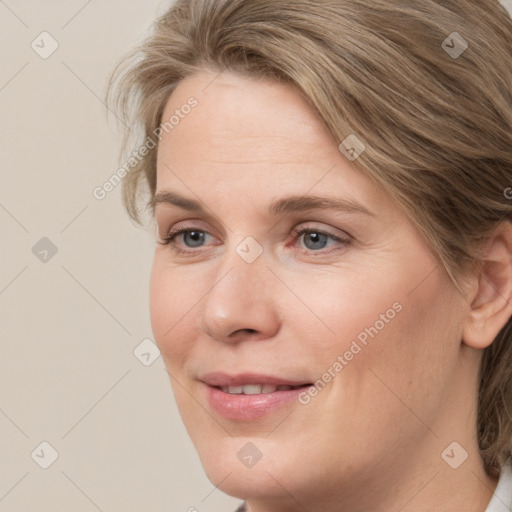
435	117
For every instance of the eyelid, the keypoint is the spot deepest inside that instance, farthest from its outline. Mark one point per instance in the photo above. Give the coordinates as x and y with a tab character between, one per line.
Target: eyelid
344	239
178	229
193	224
177	219
327	231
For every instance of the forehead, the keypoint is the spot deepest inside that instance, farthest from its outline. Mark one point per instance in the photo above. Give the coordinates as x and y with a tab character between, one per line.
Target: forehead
256	140
249	113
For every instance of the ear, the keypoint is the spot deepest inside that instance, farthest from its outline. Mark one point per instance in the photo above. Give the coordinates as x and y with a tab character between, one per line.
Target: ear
491	306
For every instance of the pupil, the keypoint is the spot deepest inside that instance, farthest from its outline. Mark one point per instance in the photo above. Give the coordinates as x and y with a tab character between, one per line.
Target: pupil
316	238
196	236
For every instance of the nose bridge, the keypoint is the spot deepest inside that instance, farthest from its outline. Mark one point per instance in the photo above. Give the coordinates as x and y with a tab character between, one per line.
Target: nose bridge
240	297
243	268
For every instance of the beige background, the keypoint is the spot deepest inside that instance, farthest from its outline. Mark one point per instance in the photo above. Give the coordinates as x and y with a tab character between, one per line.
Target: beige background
69	325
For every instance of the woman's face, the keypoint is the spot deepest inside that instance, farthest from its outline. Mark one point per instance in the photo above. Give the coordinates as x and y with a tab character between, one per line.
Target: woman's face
272	284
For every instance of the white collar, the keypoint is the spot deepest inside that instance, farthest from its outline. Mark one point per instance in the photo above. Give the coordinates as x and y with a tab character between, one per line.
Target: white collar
501	500
507	4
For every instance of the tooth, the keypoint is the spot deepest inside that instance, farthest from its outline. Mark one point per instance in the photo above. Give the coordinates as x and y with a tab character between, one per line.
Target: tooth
252	389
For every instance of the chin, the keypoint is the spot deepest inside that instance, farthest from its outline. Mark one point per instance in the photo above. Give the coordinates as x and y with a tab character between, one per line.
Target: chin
235	466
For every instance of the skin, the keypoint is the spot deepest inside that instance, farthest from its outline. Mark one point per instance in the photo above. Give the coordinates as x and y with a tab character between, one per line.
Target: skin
372	439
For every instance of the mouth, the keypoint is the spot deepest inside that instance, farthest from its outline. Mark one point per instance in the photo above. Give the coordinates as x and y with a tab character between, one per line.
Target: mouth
258	389
249	397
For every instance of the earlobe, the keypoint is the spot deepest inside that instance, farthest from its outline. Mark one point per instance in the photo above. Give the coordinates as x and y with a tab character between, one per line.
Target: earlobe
491	306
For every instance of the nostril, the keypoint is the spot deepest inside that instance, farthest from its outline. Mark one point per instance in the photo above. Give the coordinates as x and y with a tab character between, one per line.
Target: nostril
250	331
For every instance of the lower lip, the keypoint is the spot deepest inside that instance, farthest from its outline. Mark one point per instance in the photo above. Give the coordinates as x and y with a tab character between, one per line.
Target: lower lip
249	407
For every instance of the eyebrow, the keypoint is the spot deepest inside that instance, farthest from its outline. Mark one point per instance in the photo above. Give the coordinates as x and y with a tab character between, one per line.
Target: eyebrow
278	206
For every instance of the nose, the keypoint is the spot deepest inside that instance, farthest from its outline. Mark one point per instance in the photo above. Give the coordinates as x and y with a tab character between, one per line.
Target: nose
241	303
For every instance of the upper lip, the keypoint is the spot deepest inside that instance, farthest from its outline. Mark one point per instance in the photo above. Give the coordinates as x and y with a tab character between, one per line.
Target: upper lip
240	379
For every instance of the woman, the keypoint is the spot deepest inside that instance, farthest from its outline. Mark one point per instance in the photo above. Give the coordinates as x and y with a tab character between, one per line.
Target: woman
332	283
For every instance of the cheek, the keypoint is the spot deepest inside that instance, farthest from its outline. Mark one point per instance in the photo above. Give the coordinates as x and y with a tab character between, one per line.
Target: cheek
409	359
171	303
173	299
413	358
382	321
344	307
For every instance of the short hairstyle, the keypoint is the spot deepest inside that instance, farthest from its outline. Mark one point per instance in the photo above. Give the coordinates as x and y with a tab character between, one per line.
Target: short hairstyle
434	116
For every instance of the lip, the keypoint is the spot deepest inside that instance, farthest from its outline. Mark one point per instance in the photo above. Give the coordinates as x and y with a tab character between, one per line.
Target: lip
240	407
223	379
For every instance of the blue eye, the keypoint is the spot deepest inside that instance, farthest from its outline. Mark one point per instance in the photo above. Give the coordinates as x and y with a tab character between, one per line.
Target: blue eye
196	237
314	241
317	239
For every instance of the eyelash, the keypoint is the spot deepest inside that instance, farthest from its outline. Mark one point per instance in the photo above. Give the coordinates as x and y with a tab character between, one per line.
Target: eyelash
297	232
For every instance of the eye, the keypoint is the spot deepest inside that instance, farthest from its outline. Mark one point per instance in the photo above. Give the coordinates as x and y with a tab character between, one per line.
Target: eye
192	238
315	240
